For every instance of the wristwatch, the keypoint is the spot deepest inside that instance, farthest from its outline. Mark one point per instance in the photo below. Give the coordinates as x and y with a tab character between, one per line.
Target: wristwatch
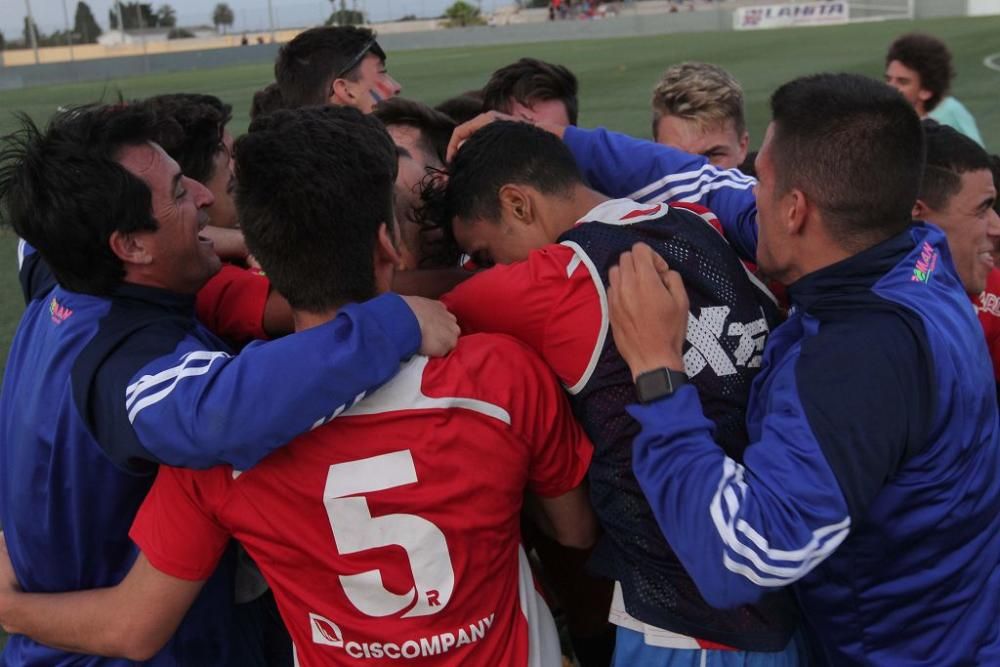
660	383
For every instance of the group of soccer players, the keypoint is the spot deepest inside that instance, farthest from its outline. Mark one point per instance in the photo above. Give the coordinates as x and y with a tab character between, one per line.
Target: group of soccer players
224	439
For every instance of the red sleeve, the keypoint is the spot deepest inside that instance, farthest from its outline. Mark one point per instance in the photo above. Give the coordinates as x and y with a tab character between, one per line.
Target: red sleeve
231	304
175	527
988	308
560	450
550	302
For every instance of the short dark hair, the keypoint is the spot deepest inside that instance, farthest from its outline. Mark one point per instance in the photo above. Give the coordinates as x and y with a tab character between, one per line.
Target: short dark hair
949	155
464	107
856	147
435	127
528	81
502	153
64	192
266	100
308	65
192	126
313	187
930	58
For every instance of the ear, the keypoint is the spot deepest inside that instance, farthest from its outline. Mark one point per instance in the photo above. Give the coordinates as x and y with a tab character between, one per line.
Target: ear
387	247
923	95
340	93
744	146
921	211
796	210
131	248
516	202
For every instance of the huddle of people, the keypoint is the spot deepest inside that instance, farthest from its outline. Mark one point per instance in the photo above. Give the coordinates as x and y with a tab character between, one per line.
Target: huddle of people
706	418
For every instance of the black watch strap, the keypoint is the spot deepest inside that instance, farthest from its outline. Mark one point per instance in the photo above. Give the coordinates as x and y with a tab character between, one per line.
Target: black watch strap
656	384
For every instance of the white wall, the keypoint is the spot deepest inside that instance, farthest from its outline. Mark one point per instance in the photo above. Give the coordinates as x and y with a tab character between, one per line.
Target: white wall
984	7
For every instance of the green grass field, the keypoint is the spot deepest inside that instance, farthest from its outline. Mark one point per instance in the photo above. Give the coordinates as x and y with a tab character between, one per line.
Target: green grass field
616	77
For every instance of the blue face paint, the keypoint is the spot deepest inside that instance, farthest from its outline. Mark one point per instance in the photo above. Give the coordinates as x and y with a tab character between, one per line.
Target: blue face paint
375	96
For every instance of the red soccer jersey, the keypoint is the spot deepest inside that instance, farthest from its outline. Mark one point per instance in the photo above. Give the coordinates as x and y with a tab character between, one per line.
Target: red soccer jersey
555	300
988	307
392	533
231	304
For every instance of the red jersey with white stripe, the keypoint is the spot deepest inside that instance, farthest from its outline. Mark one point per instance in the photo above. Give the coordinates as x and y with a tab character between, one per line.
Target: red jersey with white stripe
391	534
552	300
988	308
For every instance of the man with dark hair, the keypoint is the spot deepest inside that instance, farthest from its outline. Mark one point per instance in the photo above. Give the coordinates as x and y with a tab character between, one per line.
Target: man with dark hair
110	374
266	100
869	487
464	107
533	90
236	304
339	65
957	194
392	532
417	128
618	165
421	135
919	66
515	197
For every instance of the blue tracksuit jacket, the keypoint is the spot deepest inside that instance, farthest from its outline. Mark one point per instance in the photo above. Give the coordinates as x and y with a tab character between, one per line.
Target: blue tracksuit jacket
870	484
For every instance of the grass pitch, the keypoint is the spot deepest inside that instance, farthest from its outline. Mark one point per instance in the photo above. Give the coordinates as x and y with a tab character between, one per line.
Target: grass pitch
616	78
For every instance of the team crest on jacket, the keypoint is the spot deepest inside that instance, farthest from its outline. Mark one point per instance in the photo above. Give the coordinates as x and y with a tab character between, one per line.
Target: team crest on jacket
58	312
926	264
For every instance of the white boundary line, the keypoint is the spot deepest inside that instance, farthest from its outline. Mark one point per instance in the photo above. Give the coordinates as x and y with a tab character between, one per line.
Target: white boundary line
992	62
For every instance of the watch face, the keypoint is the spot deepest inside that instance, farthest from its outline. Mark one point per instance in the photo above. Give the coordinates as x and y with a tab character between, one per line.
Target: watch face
653	385
658	384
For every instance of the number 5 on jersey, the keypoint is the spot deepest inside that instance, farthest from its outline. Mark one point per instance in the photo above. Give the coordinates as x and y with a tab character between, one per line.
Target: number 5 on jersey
355	529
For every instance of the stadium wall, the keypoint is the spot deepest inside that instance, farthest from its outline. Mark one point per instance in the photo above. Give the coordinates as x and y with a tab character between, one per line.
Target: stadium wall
629	23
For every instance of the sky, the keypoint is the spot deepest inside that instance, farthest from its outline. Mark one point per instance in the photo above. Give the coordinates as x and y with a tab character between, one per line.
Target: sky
250	14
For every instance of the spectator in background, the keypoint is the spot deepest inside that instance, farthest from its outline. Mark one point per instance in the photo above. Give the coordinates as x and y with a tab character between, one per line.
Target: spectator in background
343	66
920	67
958	195
533	90
698	108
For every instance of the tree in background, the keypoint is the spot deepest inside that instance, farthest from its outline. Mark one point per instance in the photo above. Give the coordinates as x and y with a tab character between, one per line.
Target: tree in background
33	27
135	15
345	16
166	17
85	26
3	42
223	16
462	14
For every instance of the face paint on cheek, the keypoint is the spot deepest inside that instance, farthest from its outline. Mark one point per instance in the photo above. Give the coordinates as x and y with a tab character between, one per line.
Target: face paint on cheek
375	96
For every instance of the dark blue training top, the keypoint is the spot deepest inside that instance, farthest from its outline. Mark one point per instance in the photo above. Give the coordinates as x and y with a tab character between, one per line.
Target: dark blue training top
98	390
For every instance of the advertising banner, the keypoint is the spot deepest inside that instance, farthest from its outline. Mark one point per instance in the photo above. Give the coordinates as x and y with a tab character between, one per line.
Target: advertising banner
830	12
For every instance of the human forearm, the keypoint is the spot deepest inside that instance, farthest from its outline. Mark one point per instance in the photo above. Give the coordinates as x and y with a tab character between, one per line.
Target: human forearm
199	409
768	525
132	620
90	622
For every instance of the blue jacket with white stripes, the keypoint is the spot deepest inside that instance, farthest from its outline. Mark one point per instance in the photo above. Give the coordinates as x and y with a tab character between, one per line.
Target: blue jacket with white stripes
622	166
99	390
870	484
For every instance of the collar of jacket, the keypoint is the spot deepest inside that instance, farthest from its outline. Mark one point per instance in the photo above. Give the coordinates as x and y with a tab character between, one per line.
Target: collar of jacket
857	273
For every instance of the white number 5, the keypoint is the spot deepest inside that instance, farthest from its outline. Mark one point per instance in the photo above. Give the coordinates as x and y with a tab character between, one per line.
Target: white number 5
355	529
